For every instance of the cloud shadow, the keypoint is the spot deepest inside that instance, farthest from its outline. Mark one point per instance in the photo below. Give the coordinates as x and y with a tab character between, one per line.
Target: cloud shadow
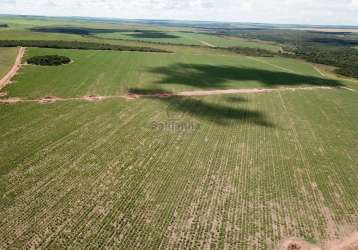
213	77
212	112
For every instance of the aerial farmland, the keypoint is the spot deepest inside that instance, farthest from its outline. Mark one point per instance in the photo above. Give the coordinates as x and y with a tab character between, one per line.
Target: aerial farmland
160	137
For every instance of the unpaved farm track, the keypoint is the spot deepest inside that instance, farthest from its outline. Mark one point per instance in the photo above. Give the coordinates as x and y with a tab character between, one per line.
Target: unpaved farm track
52	99
243	91
17	65
350	242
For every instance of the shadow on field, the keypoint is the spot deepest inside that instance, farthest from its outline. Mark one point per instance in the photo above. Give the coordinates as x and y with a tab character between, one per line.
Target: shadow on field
76	30
235	99
152	34
93	31
210	76
212	112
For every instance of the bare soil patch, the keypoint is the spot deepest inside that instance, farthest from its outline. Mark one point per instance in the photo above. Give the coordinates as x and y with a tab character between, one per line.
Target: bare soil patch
48	99
295	244
94	98
2	94
350	242
244	91
164	95
132	96
10	100
207	44
346	88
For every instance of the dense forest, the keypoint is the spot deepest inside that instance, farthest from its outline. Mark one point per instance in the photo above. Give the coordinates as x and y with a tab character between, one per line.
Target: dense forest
50	60
76	45
2	25
346	59
329	48
294	37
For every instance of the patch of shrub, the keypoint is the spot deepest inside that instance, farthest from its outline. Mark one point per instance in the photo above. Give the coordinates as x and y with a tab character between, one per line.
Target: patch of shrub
50	60
3	25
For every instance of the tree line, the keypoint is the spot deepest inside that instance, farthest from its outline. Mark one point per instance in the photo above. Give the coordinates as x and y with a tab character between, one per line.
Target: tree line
76	45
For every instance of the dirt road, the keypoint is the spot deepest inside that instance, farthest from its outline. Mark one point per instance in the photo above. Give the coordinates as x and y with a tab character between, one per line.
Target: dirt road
7	78
350	242
243	91
198	93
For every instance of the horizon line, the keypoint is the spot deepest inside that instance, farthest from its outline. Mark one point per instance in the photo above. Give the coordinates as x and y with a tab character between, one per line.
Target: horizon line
180	20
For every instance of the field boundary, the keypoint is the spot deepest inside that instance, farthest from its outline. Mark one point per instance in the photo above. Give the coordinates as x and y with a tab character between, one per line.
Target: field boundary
14	69
133	96
272	65
319	71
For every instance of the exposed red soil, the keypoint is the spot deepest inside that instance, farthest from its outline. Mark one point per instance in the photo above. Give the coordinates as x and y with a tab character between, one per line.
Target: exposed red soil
243	91
229	91
17	65
10	100
350	242
132	96
164	95
295	244
48	99
94	98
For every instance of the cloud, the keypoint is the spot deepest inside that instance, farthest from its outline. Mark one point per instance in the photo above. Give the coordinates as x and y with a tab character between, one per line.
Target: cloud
355	3
7	1
274	11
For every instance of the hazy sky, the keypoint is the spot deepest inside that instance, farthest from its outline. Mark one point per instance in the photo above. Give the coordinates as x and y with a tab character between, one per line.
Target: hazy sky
278	11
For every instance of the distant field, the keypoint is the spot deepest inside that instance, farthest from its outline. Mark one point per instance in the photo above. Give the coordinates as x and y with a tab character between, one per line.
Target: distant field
224	41
191	38
162	37
7	59
21	29
110	73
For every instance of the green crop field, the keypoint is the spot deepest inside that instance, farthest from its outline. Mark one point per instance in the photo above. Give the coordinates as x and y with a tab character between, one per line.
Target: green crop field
221	41
7	58
153	36
21	29
114	73
238	171
255	171
190	38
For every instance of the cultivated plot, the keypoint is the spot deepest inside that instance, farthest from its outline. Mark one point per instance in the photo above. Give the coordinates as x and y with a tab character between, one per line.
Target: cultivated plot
244	170
115	73
254	169
7	59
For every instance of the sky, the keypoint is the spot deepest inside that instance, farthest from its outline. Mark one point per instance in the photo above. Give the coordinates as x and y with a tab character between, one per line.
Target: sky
326	12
